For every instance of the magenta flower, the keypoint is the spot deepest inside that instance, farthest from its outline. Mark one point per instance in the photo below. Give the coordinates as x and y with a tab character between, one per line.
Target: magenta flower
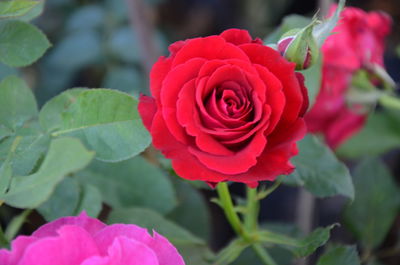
87	241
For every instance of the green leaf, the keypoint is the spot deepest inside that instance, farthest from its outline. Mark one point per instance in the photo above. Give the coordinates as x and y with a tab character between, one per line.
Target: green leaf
153	221
5	176
65	156
195	254
51	114
310	243
313	76
107	121
21	44
346	255
198	222
24	149
36	11
62	202
376	205
231	252
280	255
299	247
17	102
323	30
131	183
380	134
319	171
6	71
4	132
70	198
90	201
16	8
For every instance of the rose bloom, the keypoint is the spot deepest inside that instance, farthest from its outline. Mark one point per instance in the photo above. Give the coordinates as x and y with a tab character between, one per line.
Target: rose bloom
358	43
86	241
225	108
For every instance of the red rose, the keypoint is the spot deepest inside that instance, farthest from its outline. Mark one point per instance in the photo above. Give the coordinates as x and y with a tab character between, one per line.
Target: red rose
358	43
225	108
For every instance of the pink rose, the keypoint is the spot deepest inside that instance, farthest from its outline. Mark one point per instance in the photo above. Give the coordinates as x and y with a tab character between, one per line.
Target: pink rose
86	241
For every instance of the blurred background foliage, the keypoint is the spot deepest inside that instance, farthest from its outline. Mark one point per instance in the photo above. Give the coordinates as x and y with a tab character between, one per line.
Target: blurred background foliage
95	44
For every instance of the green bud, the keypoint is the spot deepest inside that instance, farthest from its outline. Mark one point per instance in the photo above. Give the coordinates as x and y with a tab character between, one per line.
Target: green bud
299	46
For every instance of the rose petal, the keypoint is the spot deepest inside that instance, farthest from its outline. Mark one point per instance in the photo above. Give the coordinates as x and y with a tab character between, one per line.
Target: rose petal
210	48
157	75
147	108
170	91
73	245
284	71
91	225
236	36
105	238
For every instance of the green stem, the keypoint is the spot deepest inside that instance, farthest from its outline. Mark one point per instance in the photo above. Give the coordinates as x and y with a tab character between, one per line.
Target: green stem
3	240
390	102
252	210
227	206
265	193
16	224
263	254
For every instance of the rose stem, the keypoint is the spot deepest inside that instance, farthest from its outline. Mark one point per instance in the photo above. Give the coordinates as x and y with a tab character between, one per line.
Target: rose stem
253	208
263	254
251	217
227	206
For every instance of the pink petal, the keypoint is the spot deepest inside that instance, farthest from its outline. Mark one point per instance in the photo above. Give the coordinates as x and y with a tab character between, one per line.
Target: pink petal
71	247
125	251
91	225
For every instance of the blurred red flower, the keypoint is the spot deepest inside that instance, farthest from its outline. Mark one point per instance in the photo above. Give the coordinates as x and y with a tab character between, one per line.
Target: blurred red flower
358	43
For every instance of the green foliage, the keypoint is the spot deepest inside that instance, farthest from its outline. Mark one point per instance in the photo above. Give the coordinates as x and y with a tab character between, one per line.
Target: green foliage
376	205
189	198
21	43
23	142
50	116
89	17
288	23
323	30
36	11
319	171
231	252
17	103
340	255
309	244
192	248
312	80
299	247
107	122
195	254
126	79
65	156
154	221
16	8
76	50
132	183
380	134
71	198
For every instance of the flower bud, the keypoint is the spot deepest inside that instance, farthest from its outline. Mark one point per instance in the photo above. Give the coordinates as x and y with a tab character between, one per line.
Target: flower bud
300	47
